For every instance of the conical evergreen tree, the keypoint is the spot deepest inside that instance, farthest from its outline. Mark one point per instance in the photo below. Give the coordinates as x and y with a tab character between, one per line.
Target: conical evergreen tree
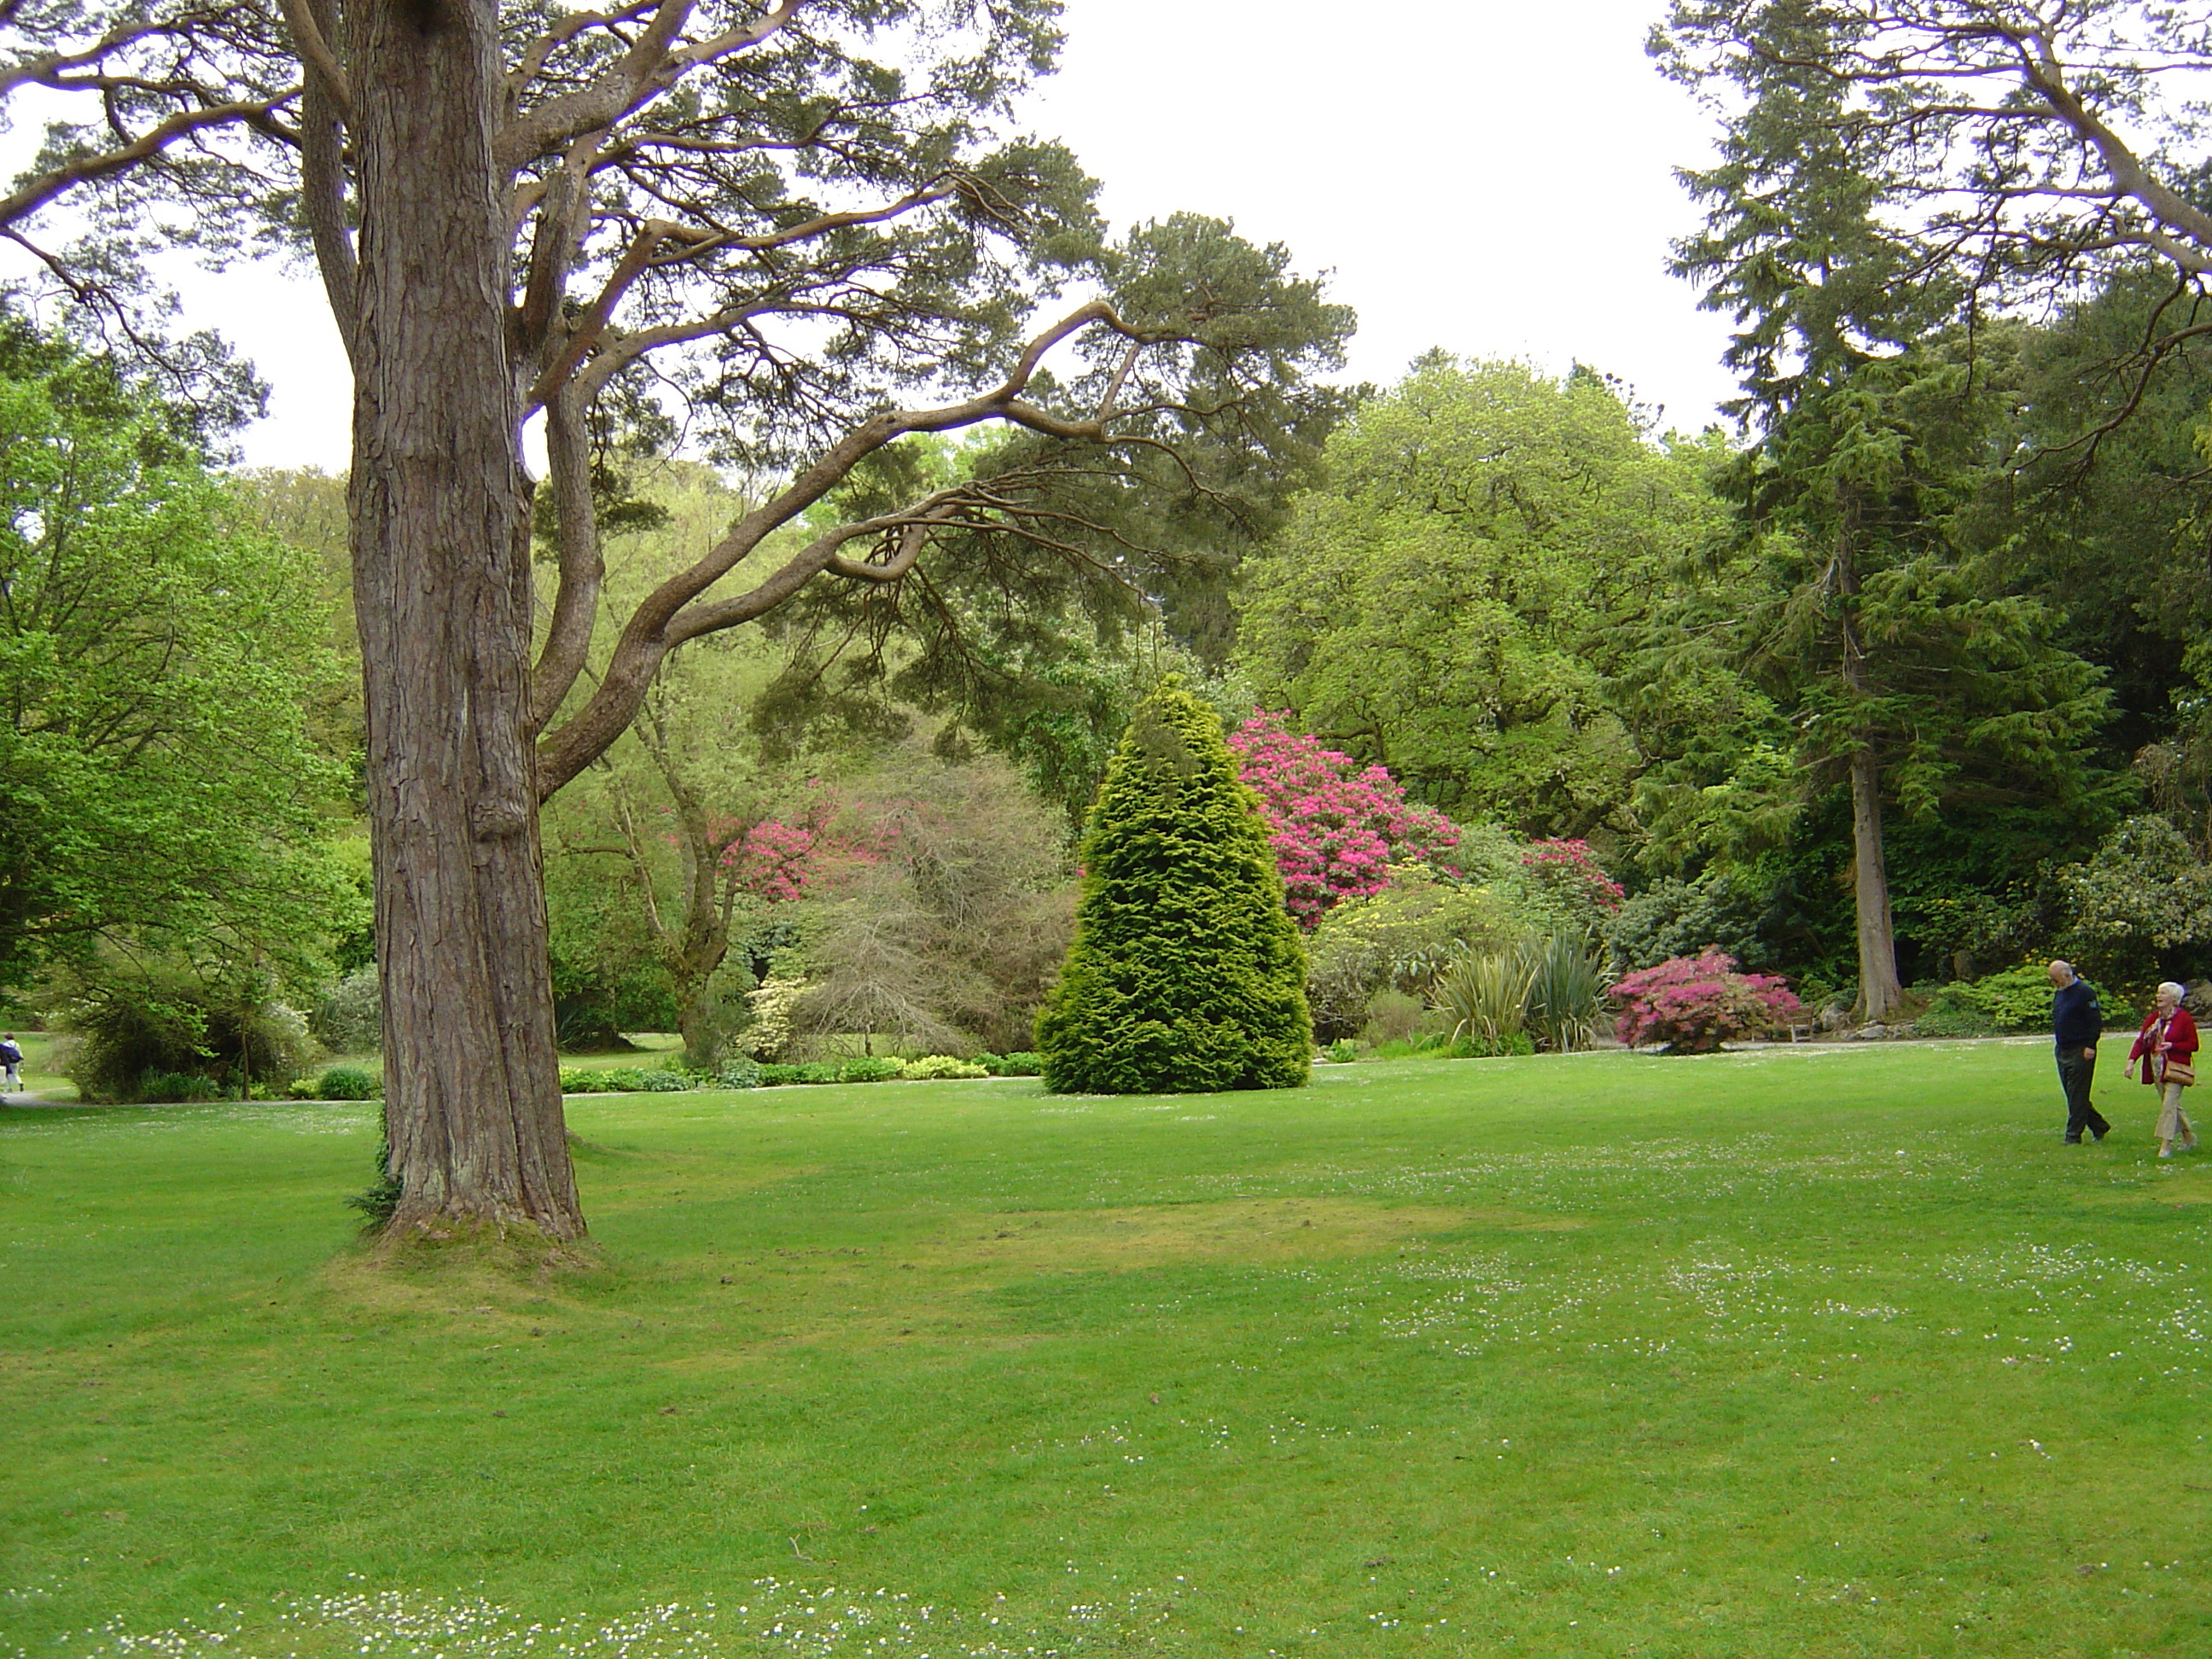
1187	973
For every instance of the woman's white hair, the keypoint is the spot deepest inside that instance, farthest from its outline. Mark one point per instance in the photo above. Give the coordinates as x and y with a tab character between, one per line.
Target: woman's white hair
2178	991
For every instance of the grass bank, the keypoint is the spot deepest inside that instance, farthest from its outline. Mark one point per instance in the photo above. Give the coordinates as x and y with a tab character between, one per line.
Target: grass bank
1802	1351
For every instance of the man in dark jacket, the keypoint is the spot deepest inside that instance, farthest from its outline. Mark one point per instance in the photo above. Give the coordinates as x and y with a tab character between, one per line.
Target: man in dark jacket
2076	1023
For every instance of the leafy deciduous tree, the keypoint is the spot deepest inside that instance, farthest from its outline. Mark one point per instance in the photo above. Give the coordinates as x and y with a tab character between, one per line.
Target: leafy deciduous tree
2141	901
1451	602
157	779
949	936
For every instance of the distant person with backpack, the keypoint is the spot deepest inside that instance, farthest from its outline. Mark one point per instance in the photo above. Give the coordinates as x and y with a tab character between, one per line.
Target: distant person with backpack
2076	1023
2167	1045
11	1062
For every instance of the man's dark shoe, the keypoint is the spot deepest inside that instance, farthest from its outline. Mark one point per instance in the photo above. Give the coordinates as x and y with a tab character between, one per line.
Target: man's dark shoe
2073	1140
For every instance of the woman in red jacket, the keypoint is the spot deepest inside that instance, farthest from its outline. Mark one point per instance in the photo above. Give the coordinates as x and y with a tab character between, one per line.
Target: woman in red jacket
2167	1045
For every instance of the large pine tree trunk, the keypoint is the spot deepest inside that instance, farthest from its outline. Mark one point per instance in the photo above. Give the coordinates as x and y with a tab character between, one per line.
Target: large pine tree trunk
442	585
1880	994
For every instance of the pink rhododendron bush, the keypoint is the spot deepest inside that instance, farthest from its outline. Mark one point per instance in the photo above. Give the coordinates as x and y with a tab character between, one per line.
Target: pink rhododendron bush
1336	827
1571	869
1694	1004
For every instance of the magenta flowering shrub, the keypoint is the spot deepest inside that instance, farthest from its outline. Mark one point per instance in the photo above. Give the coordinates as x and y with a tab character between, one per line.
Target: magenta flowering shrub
772	858
1336	828
1571	867
1694	1004
777	859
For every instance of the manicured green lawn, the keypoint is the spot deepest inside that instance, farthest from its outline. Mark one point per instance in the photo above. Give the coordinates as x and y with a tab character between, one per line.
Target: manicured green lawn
1822	1351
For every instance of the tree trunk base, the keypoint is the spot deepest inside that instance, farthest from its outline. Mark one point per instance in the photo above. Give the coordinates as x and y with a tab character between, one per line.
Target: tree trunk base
512	1248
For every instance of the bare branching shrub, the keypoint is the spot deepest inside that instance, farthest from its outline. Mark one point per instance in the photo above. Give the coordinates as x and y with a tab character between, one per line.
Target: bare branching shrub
949	941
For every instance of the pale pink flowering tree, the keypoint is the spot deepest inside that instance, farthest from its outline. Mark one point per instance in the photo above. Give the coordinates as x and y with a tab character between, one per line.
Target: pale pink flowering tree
1336	827
1694	1004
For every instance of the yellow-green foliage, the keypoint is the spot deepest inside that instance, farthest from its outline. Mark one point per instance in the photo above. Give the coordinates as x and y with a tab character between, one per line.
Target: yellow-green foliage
1187	973
930	1068
1397	939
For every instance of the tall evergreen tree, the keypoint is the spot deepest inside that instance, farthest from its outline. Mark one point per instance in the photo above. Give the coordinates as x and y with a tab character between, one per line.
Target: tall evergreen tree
1903	669
1187	973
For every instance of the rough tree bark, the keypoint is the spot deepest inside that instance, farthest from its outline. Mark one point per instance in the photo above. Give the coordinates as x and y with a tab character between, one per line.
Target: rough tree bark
1879	991
441	573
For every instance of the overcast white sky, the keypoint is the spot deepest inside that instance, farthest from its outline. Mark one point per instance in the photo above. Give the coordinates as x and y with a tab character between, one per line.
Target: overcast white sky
1488	177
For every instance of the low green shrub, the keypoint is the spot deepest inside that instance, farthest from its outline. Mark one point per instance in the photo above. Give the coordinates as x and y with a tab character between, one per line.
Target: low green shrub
1343	1051
1496	1048
629	1080
1021	1063
167	1087
2017	1001
2142	905
861	1068
348	1082
1387	949
736	1071
1392	1016
1672	918
349	1018
1953	1012
145	1021
933	1068
1422	1045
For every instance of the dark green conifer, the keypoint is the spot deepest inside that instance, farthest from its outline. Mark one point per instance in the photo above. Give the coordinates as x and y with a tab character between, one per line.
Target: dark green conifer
1187	973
